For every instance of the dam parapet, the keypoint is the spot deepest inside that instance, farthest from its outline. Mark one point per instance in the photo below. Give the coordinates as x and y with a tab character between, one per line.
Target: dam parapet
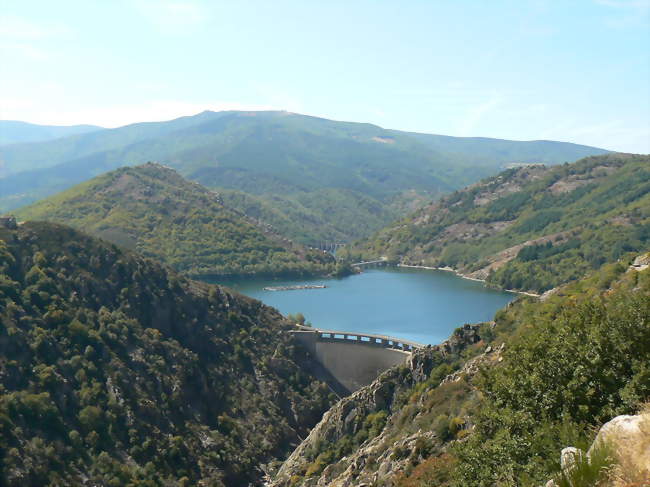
354	359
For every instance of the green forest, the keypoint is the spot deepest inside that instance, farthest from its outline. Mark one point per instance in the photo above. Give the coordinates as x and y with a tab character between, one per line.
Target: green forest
153	210
531	228
571	364
315	243
117	371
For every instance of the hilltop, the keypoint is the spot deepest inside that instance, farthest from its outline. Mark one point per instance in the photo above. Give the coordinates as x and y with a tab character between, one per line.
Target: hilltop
115	370
529	228
317	179
153	210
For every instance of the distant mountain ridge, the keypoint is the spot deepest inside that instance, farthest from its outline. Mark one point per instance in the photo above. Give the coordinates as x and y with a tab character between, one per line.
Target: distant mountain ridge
16	132
152	209
296	167
517	151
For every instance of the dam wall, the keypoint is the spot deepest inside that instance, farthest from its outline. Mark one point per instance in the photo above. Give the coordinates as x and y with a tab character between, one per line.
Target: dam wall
354	360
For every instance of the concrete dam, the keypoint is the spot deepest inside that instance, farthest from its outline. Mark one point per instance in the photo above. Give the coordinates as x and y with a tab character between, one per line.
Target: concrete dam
352	359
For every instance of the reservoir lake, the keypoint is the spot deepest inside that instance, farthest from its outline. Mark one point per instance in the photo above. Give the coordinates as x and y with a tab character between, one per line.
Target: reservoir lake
424	306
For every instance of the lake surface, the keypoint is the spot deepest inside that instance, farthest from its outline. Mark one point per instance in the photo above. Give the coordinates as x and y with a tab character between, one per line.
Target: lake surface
414	304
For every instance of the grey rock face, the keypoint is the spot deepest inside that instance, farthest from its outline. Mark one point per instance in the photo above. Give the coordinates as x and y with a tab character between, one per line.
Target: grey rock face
378	460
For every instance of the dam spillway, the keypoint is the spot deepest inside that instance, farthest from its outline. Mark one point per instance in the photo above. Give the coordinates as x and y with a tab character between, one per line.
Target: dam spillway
354	360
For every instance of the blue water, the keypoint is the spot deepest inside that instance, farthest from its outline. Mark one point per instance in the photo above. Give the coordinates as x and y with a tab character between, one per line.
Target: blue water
414	304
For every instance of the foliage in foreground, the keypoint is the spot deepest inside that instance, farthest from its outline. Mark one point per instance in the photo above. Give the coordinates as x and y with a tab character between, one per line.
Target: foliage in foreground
115	370
576	362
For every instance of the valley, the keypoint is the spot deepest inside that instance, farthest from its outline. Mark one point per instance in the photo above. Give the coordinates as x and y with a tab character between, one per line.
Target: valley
149	320
324	244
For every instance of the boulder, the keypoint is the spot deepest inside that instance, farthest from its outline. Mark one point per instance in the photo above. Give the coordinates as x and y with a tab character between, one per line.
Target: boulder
641	262
569	457
629	436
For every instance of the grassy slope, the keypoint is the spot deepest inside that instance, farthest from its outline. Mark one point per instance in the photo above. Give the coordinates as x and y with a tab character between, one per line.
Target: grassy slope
114	370
573	218
152	209
284	159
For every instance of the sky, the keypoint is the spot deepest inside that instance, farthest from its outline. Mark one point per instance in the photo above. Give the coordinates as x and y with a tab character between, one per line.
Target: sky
570	70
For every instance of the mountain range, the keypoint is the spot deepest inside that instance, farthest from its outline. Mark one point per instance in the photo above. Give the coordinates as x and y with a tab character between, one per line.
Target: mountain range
313	179
117	370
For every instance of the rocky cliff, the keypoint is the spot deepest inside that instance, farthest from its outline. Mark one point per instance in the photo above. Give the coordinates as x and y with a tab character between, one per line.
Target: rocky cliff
385	428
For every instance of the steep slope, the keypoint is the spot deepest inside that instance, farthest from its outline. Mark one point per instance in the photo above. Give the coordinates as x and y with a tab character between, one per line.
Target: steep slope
575	362
370	436
285	159
152	209
15	132
496	404
529	228
114	370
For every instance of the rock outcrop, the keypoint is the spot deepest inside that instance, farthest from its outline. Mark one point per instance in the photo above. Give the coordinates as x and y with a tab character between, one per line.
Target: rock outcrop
348	415
379	459
642	262
628	438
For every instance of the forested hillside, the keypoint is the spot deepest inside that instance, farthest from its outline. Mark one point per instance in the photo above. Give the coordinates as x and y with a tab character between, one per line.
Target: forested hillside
529	228
499	401
116	371
324	179
153	210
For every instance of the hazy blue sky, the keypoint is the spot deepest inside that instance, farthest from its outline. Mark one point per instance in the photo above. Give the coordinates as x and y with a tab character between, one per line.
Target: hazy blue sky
574	70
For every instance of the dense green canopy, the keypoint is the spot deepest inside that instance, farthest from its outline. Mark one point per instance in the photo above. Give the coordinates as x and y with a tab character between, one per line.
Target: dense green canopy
529	228
152	209
116	371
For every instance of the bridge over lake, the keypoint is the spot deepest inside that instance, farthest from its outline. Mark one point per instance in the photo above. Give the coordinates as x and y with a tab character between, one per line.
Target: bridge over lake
382	261
354	359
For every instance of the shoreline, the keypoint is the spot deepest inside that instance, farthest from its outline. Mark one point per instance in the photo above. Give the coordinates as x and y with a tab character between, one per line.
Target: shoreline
463	276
